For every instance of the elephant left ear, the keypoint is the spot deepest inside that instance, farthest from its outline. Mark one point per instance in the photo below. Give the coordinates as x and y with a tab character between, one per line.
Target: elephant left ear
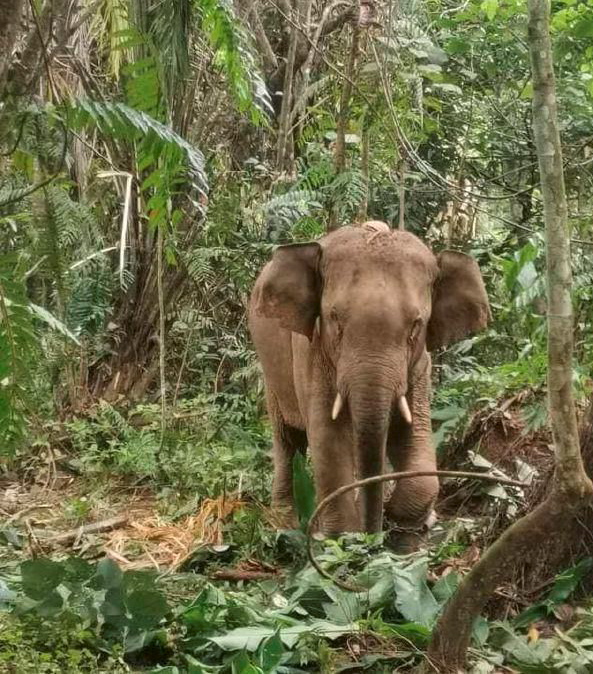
459	303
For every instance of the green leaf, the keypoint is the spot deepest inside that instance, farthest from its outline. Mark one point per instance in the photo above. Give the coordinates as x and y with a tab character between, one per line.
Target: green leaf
113	608
584	27
109	574
527	92
303	489
414	600
271	653
148	607
250	638
242	665
567	581
445	587
40	577
244	638
490	7
480	630
54	323
77	570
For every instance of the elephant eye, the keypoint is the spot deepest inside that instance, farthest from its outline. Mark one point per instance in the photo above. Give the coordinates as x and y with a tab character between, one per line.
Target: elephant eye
336	322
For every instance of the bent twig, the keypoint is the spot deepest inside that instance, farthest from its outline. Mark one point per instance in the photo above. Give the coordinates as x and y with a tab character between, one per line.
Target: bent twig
387	477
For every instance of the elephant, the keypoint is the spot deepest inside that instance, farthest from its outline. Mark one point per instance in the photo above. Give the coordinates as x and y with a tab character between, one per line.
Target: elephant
343	327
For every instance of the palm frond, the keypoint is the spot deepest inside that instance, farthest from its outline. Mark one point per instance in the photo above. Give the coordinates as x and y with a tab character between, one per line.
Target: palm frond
110	28
169	28
160	144
234	54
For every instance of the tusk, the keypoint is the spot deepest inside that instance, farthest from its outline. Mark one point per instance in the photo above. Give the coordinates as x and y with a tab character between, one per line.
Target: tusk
338	402
317	326
431	519
402	403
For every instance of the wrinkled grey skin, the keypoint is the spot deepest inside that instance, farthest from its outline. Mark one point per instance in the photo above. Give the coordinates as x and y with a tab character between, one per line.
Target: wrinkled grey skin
357	312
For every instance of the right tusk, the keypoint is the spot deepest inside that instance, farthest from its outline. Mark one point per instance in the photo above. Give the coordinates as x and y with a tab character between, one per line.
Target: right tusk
402	403
338	402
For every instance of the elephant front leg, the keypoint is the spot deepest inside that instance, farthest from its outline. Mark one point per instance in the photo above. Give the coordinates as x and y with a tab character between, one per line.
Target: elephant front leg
411	505
287	442
332	452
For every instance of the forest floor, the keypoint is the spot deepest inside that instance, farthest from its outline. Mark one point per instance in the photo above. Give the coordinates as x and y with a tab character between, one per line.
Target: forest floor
164	582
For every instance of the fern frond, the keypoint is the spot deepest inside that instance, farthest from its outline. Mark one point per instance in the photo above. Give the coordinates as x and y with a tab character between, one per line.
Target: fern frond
17	350
90	299
200	264
283	211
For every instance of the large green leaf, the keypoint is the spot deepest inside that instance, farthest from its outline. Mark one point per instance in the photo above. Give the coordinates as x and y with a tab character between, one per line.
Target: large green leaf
40	577
250	638
148	607
271	653
109	574
303	489
161	143
567	581
414	600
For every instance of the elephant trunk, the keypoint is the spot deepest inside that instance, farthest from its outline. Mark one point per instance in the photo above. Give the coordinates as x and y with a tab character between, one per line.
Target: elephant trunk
371	400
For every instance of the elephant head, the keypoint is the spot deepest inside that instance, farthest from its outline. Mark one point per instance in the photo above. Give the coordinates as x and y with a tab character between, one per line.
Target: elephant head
372	301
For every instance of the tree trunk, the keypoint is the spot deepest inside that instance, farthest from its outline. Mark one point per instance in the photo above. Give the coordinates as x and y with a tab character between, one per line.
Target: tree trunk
342	121
10	11
364	169
571	489
284	150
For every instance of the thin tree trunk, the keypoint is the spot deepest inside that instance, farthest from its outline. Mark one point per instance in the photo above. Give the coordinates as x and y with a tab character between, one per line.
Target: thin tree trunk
364	169
342	121
402	196
571	490
284	146
10	11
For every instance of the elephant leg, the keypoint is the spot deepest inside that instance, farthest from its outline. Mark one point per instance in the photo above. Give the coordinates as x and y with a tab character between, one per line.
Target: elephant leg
332	451
287	440
410	506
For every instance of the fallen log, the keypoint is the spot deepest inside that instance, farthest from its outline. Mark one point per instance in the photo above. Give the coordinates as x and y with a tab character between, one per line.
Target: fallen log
75	534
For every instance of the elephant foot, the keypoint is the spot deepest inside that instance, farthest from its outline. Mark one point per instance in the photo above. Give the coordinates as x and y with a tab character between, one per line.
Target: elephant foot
283	517
405	540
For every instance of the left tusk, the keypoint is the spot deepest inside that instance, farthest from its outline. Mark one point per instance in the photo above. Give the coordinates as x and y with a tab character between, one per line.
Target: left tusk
402	403
338	402
431	519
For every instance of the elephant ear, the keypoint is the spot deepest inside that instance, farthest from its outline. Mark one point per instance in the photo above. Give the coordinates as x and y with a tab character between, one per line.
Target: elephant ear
459	302
291	287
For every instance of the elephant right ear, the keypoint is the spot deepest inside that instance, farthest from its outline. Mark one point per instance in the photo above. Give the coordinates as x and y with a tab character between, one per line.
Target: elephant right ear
291	287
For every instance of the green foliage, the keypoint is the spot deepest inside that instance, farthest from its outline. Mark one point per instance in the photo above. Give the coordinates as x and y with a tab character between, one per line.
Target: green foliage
565	584
234	55
303	490
17	347
210	442
160	147
73	613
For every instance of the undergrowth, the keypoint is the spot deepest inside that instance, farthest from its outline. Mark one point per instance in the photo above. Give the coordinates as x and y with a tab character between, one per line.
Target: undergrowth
79	616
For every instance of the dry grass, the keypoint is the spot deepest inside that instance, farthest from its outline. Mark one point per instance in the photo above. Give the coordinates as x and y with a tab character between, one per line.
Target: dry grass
150	542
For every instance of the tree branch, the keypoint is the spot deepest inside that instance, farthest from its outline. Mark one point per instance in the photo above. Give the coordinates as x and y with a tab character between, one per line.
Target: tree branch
387	477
